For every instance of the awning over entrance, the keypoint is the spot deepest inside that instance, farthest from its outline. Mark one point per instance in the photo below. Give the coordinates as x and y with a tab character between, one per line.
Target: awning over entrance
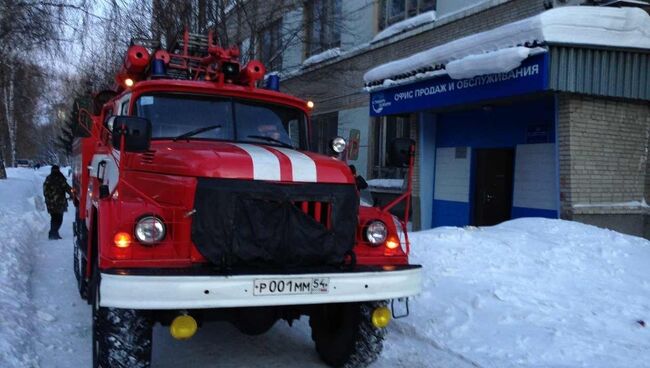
514	59
531	76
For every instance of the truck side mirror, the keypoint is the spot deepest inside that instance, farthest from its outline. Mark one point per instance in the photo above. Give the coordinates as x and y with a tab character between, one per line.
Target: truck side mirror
399	154
136	132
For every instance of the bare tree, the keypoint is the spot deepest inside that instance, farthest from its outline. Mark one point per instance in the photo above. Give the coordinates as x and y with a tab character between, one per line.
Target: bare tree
26	28
260	28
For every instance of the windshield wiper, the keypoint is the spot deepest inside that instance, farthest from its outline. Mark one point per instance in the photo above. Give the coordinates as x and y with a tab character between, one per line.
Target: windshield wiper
196	131
270	139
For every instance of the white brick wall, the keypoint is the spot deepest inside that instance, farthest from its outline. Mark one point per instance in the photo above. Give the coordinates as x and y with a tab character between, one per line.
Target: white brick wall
535	184
452	175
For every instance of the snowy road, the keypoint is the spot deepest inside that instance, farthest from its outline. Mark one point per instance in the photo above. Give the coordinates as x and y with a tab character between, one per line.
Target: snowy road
526	293
64	326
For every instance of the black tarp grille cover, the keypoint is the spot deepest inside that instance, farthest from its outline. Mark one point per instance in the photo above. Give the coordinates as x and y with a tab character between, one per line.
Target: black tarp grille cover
319	211
243	223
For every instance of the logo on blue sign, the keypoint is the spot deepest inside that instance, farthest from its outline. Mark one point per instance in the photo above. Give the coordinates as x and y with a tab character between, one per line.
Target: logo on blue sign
378	102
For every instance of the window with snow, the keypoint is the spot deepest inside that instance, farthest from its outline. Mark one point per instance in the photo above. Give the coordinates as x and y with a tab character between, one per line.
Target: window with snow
323	26
393	11
270	45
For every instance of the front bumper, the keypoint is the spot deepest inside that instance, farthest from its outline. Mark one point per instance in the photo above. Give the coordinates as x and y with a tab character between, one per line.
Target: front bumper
221	291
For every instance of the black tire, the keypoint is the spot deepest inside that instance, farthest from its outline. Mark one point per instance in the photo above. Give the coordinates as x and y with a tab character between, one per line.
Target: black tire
121	338
79	264
344	334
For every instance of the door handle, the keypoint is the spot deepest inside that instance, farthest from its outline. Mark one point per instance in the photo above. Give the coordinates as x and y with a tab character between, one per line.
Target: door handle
102	167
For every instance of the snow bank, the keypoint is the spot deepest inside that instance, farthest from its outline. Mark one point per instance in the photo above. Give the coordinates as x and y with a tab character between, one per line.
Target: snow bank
21	221
405	25
532	293
325	55
584	25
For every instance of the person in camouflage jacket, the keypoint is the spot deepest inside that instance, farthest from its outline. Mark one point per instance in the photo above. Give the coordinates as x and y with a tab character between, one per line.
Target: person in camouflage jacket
55	189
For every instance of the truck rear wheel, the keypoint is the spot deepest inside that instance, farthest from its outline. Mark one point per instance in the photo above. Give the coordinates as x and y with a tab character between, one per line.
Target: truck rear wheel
121	337
79	264
344	334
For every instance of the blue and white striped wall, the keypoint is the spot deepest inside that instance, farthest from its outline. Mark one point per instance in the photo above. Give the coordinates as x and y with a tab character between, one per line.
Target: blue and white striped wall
527	126
535	190
451	193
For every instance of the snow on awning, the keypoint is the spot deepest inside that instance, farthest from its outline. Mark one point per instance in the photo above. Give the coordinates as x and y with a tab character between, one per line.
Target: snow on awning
584	25
500	61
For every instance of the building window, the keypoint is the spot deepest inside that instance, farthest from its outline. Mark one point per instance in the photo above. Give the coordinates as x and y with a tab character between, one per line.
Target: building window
393	11
385	130
323	23
270	46
324	128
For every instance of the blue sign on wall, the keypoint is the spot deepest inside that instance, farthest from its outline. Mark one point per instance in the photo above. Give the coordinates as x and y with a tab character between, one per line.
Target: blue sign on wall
531	76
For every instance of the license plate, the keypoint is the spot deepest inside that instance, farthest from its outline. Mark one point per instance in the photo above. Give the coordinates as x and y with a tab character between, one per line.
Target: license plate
291	286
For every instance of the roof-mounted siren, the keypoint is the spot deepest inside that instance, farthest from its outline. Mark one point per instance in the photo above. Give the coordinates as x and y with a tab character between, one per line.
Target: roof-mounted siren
159	64
273	82
137	59
135	63
252	72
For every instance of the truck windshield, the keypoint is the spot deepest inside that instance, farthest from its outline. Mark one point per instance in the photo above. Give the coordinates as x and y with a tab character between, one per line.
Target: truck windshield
174	115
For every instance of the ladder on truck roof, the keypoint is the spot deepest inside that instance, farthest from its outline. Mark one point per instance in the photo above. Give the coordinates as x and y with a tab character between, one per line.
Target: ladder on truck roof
189	57
191	44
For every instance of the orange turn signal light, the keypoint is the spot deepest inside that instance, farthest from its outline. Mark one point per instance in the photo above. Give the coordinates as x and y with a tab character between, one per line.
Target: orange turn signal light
392	242
122	240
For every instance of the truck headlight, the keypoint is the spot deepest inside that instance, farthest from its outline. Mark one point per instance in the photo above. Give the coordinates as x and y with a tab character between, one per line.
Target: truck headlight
150	230
376	232
338	144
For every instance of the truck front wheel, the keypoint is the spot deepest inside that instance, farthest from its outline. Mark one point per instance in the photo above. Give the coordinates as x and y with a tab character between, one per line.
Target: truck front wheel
121	337
344	334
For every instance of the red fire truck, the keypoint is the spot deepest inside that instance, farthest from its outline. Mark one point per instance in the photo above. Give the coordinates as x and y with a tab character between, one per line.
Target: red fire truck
198	199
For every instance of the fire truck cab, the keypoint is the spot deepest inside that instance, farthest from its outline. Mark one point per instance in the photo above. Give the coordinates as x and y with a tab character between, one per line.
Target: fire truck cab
198	198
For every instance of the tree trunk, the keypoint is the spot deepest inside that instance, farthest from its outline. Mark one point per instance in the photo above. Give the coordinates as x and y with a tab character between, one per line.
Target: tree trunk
9	112
3	173
202	22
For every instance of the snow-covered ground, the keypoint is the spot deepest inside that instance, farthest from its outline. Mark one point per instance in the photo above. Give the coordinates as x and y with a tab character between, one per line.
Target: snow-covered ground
526	293
534	293
20	221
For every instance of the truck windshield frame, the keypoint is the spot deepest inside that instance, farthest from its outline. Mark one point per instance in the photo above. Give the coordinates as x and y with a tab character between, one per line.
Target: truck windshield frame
240	120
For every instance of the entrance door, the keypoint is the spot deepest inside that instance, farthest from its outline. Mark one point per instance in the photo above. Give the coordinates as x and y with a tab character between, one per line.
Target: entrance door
493	186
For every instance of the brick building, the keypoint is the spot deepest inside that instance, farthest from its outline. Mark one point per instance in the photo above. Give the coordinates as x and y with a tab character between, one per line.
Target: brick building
564	134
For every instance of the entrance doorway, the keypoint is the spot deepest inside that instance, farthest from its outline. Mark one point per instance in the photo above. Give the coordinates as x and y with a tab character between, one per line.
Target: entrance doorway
493	186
